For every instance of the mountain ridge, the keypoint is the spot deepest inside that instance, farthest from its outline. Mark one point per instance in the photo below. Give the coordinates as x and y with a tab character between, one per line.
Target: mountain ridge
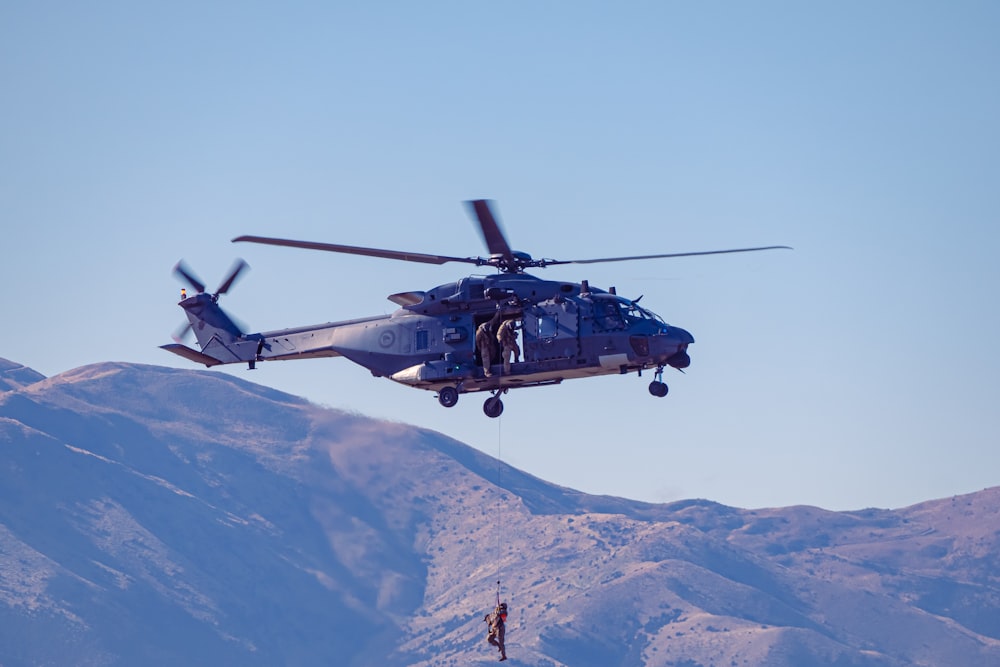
158	515
16	376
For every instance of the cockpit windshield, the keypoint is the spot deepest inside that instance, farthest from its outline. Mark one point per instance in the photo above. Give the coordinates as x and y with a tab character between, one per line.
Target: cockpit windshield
634	311
645	314
614	312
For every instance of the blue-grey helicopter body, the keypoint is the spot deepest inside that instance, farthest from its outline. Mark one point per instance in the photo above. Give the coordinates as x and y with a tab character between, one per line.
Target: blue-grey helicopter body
568	330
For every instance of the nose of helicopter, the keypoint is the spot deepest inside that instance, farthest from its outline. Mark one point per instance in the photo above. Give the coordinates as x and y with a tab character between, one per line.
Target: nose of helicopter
682	338
680	335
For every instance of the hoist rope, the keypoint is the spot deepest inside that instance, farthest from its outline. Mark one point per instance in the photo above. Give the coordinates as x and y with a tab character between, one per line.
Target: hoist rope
499	497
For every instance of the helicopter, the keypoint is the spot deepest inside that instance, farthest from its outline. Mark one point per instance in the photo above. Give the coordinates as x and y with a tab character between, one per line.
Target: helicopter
569	330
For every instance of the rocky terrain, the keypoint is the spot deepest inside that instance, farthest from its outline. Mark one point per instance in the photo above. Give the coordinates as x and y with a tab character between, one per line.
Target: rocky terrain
163	517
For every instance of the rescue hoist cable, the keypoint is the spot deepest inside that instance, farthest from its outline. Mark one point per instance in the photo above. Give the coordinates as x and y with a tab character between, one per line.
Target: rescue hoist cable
499	497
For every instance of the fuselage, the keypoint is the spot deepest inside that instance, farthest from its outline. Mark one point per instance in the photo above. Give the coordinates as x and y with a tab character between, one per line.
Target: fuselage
567	330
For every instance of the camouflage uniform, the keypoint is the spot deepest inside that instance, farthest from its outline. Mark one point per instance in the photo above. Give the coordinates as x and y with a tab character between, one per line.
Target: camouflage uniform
484	342
507	337
497	629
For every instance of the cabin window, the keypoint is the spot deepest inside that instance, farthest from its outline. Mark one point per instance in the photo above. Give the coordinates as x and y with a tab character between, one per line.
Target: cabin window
548	327
421	342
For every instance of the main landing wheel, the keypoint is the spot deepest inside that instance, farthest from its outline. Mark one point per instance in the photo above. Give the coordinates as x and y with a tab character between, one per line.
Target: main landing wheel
493	407
658	389
448	397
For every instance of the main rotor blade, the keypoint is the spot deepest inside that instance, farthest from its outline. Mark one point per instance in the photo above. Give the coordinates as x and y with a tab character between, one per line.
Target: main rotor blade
493	236
357	250
238	266
550	262
184	272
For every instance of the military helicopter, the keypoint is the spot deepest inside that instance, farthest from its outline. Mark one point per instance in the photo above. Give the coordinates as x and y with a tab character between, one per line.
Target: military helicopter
569	330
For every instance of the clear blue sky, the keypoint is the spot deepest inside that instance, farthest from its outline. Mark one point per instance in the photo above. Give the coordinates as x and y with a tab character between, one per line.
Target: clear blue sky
859	370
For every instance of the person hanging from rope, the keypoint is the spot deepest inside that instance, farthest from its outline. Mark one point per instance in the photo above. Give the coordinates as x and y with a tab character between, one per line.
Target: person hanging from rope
497	624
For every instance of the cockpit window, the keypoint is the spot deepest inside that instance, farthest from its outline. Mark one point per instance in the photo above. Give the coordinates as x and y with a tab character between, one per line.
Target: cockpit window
608	314
637	312
615	312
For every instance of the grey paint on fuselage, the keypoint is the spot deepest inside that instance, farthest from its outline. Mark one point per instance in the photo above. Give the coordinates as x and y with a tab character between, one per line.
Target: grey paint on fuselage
429	342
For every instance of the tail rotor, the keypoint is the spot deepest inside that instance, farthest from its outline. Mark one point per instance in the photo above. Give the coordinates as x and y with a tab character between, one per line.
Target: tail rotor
186	275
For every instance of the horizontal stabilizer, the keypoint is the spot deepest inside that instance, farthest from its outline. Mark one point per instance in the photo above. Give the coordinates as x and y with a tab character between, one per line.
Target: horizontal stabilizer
192	355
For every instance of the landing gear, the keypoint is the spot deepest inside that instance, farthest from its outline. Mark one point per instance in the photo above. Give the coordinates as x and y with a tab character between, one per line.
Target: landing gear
493	407
448	397
658	387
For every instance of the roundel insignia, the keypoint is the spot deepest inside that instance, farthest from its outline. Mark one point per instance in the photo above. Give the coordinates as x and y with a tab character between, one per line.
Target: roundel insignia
387	338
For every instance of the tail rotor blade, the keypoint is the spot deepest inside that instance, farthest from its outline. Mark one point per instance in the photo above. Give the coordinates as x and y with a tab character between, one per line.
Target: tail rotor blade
182	271
240	324
238	266
181	332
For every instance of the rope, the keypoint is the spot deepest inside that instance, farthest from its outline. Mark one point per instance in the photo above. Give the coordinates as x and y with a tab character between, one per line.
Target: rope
499	495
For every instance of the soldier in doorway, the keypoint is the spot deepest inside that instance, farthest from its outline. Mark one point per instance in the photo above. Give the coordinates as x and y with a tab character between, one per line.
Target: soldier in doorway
486	341
507	337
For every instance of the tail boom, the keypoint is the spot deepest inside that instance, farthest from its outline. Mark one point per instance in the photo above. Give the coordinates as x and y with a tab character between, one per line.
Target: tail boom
222	342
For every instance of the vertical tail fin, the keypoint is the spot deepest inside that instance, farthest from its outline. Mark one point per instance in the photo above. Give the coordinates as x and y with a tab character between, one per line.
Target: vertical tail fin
208	320
220	338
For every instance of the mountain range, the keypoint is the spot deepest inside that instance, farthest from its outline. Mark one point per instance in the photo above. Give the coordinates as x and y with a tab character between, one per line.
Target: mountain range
158	516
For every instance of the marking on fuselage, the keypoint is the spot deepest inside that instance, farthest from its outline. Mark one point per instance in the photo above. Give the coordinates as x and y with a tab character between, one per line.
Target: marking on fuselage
613	360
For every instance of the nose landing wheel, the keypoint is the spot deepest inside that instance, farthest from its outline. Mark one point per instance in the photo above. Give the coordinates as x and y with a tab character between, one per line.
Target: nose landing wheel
658	387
